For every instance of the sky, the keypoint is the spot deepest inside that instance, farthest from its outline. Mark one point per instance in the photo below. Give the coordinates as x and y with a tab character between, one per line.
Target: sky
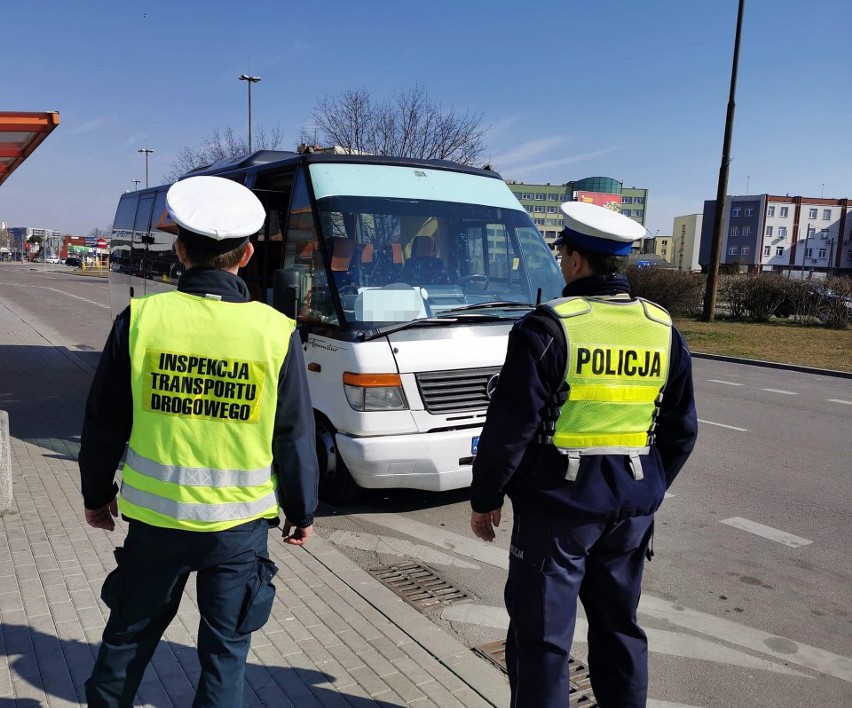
568	89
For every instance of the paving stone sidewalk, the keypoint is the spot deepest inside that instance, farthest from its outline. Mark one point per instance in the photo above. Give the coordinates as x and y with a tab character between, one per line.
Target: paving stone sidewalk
337	637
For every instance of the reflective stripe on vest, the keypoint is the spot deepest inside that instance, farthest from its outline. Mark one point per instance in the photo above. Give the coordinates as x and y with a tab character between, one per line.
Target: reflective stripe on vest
617	367
204	378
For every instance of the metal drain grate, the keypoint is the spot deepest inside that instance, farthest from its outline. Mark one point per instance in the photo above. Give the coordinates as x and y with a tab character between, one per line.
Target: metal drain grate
419	586
580	694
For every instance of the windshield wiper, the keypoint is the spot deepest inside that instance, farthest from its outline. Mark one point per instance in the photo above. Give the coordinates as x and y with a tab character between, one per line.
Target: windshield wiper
488	305
368	334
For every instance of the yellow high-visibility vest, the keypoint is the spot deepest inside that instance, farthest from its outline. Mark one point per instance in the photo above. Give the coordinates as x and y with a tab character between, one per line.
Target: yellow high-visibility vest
204	377
617	367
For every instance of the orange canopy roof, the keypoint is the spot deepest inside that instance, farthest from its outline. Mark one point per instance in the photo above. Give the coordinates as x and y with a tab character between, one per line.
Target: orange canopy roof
20	134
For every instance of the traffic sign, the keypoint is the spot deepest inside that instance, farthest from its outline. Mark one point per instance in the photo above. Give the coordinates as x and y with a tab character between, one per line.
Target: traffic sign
102	243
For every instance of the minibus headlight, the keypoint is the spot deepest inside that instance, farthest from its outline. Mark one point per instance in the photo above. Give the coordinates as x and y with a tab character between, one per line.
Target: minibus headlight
374	392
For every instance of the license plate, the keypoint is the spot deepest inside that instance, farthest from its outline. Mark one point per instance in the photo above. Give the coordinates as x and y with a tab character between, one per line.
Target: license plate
474	445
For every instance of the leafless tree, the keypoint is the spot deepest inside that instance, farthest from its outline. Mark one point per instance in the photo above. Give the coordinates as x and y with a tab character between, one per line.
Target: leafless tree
408	125
220	146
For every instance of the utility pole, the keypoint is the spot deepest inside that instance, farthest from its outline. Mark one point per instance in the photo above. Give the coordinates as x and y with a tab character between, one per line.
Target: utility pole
722	190
135	184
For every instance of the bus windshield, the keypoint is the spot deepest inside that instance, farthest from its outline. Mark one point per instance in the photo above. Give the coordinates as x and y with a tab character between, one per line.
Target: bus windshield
394	259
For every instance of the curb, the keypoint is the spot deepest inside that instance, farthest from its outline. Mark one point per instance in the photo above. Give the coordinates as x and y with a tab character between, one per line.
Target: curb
773	365
5	465
484	680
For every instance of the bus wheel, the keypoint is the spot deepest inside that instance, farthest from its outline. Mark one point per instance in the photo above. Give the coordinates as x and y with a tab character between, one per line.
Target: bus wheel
336	485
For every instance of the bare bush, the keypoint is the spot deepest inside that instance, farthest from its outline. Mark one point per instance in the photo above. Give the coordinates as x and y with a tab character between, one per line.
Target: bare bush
679	293
764	294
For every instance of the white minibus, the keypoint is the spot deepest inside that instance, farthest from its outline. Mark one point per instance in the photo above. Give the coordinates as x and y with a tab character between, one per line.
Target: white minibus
404	276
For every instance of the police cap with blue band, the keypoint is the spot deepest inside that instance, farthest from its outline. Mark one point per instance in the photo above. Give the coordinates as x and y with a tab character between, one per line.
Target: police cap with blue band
596	228
214	213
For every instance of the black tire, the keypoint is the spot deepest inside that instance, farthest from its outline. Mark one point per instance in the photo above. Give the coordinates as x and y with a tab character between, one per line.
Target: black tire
336	485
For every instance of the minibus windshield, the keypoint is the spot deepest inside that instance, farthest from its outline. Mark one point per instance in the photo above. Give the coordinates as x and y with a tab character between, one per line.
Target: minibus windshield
397	259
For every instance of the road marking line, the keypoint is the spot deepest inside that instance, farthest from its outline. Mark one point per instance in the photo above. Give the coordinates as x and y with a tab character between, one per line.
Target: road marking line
470	546
772	534
839	400
660	641
789	651
727	383
668	495
397	547
778	390
61	292
722	425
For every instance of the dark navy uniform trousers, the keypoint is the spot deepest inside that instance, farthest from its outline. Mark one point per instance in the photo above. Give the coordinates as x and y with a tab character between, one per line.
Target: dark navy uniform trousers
234	593
552	562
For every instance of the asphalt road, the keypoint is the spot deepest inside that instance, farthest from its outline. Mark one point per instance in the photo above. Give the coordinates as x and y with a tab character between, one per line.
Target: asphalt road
747	602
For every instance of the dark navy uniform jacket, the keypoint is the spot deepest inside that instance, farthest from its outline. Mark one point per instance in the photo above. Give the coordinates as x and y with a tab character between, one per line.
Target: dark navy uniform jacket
509	461
109	412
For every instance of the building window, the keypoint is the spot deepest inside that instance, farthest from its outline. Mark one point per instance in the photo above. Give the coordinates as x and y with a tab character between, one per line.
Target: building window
538	209
823	234
638	200
811	231
782	232
627	200
540	196
749	211
784	212
779	251
769	231
732	251
627	212
821	253
812	213
551	210
746	230
745	250
639	213
526	195
553	197
538	222
735	211
767	250
826	214
770	211
809	253
528	208
735	231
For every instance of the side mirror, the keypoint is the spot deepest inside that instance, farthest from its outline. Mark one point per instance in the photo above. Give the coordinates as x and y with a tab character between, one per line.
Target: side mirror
287	292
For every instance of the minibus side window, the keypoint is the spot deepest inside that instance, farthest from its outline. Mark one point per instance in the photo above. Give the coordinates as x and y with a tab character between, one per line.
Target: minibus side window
302	253
141	227
273	189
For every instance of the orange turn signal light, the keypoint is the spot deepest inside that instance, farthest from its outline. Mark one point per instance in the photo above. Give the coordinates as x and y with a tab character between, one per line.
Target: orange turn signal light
371	380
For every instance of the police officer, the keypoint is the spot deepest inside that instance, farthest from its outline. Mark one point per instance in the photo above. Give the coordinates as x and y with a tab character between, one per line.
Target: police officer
209	393
592	419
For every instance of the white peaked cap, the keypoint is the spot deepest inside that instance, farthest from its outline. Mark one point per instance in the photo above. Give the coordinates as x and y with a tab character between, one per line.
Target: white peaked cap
598	228
215	207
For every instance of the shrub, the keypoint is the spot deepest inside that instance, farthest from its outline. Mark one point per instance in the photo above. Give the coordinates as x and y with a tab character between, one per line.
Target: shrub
680	293
733	291
764	295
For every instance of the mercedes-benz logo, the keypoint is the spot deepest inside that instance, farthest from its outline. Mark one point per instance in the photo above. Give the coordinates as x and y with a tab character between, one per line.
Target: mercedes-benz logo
491	386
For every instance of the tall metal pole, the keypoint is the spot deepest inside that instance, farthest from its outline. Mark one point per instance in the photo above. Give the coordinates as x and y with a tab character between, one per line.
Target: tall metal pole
251	80
722	190
147	152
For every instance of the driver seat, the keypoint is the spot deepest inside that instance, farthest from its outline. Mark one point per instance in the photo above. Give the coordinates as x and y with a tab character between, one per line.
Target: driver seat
423	267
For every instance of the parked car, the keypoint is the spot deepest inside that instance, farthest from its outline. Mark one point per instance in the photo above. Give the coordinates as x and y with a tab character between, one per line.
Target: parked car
71	261
54	260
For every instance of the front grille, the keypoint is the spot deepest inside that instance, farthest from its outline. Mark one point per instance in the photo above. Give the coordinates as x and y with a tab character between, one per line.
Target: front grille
456	391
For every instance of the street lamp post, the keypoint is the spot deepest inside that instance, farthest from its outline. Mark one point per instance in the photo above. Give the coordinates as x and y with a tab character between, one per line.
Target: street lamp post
251	80
147	152
135	184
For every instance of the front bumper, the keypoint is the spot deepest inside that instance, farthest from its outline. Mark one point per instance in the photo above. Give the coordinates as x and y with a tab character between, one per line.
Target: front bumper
435	462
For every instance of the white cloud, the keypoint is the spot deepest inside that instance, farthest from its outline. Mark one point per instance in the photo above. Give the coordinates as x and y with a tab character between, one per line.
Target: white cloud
90	126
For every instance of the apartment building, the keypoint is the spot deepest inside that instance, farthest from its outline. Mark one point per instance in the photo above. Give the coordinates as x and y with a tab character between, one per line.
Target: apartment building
686	239
542	200
792	235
